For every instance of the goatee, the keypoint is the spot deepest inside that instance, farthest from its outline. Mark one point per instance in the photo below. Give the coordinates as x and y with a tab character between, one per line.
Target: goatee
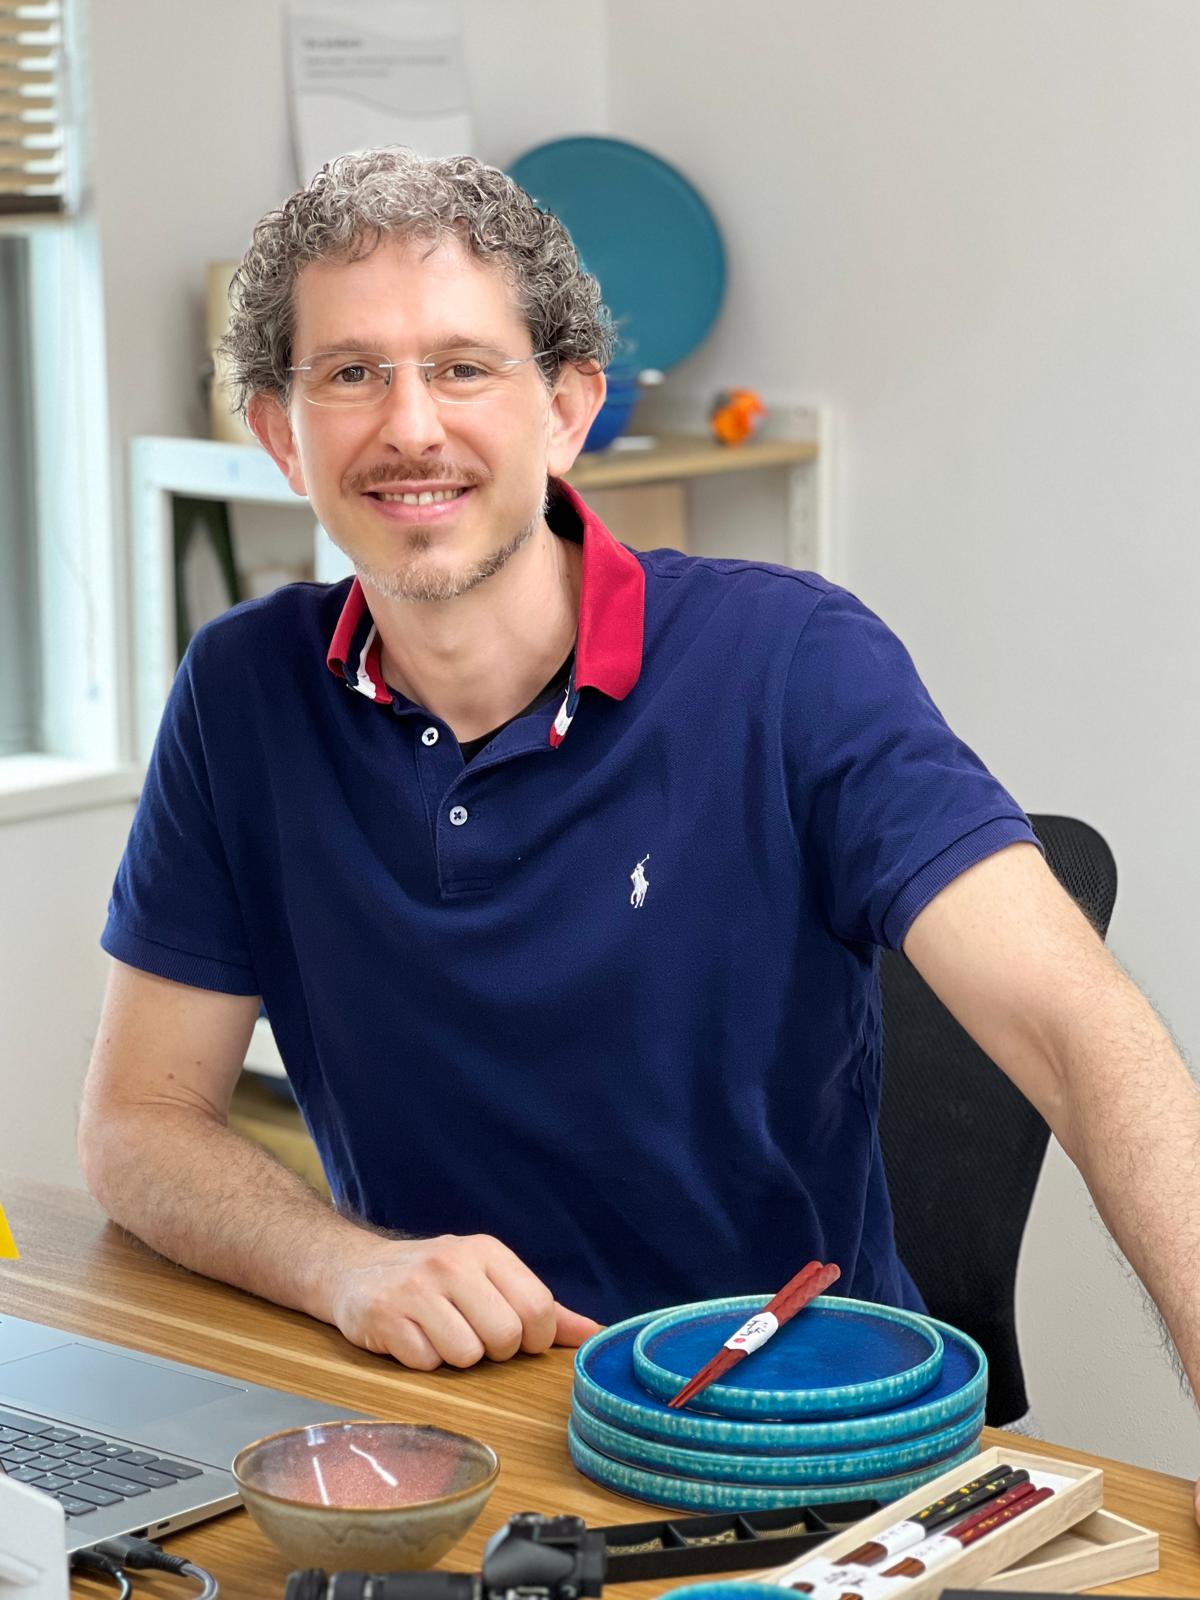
417	581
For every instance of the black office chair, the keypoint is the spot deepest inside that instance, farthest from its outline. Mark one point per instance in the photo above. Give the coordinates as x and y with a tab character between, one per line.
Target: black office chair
962	1147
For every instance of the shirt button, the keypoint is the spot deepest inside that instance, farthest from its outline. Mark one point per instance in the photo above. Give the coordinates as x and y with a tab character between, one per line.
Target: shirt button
458	815
430	736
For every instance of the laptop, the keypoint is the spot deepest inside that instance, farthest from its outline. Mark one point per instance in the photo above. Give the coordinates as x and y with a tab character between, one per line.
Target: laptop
129	1443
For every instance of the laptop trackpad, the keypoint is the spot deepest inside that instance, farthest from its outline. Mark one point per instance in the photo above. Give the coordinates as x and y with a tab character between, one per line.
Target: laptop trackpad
111	1392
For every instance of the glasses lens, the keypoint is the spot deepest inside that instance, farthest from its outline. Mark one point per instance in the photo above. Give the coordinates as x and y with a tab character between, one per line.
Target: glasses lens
344	379
469	374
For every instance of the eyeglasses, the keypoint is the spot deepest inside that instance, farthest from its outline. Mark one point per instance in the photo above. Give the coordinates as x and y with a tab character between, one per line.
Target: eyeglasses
453	377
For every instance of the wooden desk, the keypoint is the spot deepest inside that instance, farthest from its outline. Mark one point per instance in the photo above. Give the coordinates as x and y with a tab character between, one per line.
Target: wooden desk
79	1272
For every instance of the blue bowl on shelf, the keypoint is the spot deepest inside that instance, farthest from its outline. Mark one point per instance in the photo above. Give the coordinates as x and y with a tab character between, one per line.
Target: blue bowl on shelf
614	415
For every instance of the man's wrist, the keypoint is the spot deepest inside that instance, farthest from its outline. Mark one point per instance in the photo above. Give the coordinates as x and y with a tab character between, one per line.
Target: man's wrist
344	1246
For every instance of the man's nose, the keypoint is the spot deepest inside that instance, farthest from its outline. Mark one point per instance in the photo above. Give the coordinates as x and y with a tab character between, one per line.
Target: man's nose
410	419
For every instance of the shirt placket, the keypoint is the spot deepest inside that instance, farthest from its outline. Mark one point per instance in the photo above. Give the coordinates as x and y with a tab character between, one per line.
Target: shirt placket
464	833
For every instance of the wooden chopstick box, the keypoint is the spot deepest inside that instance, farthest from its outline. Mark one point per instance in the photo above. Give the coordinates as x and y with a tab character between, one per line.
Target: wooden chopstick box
1064	1544
1103	1548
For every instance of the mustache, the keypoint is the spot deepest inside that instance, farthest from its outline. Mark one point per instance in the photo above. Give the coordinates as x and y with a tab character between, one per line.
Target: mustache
413	472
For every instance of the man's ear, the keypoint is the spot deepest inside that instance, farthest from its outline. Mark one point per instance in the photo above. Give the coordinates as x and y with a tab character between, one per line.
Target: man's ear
577	397
269	422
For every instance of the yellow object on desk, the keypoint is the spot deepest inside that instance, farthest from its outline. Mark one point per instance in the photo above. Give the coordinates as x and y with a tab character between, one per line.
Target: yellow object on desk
8	1245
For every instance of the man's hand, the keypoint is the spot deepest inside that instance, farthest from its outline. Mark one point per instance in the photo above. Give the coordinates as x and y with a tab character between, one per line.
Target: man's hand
452	1299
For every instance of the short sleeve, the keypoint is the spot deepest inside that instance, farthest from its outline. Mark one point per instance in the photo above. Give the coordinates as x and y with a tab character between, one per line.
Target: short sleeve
174	909
889	805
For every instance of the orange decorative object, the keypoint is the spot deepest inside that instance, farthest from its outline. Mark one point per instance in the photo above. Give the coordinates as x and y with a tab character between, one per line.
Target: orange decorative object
736	415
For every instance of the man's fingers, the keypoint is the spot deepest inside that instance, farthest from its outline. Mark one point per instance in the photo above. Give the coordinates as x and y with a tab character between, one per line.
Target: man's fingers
406	1343
570	1328
451	1334
494	1319
529	1298
453	1299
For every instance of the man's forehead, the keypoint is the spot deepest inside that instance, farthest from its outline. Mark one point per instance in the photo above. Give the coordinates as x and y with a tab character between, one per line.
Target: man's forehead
434	288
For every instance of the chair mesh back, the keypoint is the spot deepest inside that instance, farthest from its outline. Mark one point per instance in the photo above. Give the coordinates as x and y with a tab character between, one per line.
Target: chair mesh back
962	1147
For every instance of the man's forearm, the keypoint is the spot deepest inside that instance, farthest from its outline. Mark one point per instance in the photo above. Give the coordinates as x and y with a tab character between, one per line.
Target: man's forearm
201	1194
1132	1125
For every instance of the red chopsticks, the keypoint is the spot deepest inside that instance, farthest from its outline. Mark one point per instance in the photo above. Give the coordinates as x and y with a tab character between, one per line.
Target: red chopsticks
808	1283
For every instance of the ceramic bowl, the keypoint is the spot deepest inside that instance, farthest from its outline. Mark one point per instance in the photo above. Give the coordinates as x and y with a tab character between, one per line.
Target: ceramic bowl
365	1496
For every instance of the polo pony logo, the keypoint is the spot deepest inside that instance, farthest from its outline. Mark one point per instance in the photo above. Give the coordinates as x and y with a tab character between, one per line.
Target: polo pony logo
640	883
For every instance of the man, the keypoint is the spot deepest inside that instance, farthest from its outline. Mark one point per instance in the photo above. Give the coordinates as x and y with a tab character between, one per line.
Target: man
407	812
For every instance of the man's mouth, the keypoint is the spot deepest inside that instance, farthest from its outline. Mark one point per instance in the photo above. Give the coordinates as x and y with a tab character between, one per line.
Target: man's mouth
419	497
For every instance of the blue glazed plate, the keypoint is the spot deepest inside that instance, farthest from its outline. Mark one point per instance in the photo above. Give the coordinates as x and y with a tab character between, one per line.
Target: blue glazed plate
694	1494
845	1467
606	1385
645	234
837	1358
727	1589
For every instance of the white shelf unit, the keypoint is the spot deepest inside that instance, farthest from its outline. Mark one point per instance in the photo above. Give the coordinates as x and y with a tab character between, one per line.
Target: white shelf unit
162	468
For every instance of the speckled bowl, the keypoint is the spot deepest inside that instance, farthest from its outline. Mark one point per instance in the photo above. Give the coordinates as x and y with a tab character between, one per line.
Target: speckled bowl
365	1496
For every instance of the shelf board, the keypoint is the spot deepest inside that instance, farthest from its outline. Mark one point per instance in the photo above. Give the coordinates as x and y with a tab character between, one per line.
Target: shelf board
677	456
211	469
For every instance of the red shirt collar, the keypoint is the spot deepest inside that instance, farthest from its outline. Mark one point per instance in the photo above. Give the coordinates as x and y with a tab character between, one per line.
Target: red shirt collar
608	649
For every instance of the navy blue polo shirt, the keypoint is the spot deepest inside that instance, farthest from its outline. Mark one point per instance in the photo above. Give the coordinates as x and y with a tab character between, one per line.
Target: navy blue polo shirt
609	991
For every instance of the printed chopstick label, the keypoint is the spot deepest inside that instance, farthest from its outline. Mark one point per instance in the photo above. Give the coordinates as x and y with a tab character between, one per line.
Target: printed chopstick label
900	1537
821	1574
754	1333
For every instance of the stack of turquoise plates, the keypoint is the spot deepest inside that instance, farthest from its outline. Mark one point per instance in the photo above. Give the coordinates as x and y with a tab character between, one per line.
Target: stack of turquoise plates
848	1401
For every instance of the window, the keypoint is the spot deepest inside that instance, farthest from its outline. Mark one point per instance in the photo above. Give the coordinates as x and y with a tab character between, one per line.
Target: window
62	674
20	668
31	187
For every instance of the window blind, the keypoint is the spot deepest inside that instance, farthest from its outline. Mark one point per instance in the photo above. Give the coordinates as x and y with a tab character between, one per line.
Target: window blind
31	107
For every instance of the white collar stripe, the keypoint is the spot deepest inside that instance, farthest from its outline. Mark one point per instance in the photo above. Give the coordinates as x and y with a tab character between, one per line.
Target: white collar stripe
363	682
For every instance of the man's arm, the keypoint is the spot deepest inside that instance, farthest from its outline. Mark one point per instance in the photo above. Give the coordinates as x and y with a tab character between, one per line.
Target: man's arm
1012	957
158	1153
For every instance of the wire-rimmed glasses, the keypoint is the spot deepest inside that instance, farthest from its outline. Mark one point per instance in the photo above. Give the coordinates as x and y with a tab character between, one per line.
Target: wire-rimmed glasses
453	377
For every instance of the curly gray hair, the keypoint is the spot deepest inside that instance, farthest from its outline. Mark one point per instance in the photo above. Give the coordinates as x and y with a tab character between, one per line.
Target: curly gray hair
355	201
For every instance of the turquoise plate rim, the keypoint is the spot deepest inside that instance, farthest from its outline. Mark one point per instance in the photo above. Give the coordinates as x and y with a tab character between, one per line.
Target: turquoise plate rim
693	1494
842	1467
725	1400
730	1434
707	240
728	1589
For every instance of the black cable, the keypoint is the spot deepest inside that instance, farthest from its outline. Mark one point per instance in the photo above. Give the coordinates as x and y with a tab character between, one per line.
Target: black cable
93	1561
113	1555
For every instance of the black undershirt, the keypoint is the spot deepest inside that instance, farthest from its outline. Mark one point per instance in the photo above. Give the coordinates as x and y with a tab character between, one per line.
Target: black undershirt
471	747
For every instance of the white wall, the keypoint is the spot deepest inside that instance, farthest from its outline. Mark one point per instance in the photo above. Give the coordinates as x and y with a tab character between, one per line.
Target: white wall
971	229
57	872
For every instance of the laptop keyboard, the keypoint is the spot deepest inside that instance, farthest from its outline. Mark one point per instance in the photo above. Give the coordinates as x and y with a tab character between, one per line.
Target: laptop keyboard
82	1470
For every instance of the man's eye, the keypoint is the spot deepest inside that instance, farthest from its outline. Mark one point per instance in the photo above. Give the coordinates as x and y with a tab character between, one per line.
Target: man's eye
351	375
465	372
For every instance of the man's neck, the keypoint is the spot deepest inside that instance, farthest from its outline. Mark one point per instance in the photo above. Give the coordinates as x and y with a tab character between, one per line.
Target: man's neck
478	660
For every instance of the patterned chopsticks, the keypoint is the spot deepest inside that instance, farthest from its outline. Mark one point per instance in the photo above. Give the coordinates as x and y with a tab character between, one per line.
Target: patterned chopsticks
808	1283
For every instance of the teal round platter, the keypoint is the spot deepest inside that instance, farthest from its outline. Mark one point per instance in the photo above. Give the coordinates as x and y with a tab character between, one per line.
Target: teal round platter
848	1468
696	1494
606	1385
643	231
837	1358
726	1589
